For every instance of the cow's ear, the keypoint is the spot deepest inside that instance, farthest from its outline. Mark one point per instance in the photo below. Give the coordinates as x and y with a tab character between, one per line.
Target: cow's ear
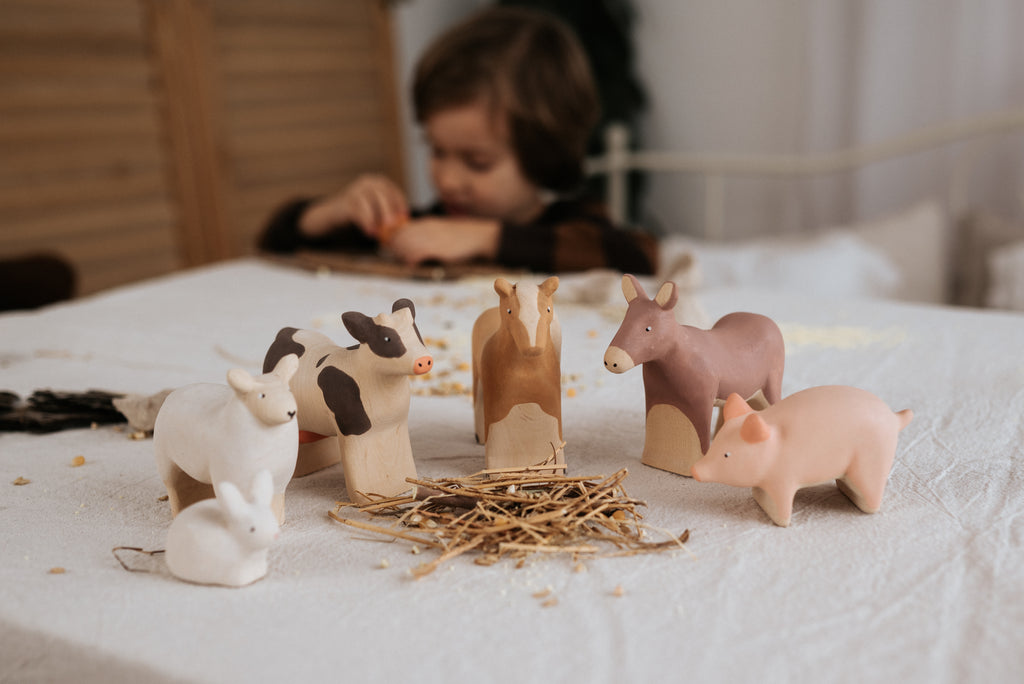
360	326
549	286
667	295
755	430
631	288
735	406
404	304
503	287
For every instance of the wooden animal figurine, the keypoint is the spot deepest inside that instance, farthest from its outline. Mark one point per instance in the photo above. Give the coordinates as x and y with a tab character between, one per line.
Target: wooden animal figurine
207	433
686	370
808	438
517	390
224	540
354	402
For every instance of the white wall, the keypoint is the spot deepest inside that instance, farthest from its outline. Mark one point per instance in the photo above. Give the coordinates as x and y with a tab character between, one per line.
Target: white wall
797	77
814	76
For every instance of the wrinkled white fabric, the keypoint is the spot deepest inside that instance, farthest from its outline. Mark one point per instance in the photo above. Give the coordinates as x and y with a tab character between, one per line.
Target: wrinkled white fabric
929	589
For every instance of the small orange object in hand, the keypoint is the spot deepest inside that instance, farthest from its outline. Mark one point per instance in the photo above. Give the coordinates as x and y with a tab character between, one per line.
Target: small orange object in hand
388	230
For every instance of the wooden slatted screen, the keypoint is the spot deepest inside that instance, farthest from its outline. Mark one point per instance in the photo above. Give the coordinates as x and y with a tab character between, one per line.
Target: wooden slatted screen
81	156
142	136
309	101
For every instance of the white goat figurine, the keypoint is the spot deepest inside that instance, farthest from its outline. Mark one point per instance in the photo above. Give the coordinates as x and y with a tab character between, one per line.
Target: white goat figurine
206	434
224	540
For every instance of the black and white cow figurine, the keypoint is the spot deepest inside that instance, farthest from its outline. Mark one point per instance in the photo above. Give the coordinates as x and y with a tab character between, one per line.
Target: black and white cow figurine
353	403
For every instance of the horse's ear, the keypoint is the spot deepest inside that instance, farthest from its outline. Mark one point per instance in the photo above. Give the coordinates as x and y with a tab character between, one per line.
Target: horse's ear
549	286
631	288
503	287
667	295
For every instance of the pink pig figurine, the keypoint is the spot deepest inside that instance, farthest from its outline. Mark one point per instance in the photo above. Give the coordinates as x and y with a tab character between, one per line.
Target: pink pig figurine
807	438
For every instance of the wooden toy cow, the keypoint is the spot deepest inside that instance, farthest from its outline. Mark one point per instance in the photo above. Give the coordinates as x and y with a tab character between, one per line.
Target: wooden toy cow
354	402
517	390
687	370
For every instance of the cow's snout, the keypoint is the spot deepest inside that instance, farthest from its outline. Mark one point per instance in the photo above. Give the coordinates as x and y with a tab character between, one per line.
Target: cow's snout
617	360
291	414
423	365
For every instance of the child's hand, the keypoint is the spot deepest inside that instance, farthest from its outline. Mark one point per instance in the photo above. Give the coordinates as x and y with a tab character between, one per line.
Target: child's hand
448	240
372	202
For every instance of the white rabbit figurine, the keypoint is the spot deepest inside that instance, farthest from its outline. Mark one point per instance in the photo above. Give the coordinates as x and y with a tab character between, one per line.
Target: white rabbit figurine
224	540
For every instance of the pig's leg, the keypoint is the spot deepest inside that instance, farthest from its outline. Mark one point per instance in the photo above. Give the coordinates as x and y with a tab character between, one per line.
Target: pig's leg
778	504
864	481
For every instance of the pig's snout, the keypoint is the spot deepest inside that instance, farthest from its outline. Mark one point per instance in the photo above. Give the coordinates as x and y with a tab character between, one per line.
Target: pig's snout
696	471
617	360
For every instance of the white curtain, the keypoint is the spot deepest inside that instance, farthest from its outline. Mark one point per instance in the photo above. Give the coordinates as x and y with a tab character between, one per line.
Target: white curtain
814	76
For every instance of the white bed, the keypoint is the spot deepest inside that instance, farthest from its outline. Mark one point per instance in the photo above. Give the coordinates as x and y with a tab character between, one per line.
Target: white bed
929	589
939	244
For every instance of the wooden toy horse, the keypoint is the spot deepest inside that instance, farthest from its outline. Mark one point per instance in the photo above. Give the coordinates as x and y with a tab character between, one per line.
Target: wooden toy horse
687	370
353	402
517	380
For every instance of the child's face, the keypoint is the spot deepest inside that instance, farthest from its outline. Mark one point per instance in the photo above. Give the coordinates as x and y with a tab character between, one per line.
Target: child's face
474	169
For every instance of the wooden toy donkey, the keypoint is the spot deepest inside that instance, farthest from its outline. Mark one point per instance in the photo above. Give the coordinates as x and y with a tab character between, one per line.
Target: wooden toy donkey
354	402
517	390
687	370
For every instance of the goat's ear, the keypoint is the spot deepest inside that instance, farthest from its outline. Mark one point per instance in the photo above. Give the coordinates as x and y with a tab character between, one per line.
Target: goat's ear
667	295
549	286
631	288
503	287
286	367
240	380
358	325
404	304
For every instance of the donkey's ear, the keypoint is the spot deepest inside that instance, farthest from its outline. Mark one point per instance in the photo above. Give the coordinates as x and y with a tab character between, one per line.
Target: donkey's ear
503	287
631	288
667	295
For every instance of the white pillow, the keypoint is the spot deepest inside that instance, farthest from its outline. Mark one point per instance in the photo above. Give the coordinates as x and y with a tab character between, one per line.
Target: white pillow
1006	277
902	256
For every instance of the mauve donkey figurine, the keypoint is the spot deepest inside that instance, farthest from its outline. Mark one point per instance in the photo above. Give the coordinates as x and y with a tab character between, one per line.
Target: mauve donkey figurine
687	370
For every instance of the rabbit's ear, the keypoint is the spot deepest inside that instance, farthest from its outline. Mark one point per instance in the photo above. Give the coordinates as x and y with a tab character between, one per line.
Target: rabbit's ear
263	488
231	500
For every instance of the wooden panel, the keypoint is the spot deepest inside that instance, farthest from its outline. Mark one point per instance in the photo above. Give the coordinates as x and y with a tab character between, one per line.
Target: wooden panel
141	136
81	160
308	101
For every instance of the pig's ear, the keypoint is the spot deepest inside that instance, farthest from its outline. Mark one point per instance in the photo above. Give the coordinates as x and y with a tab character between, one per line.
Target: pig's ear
755	430
735	406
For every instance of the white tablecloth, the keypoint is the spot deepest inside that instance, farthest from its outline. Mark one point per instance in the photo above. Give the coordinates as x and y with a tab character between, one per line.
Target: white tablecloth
929	589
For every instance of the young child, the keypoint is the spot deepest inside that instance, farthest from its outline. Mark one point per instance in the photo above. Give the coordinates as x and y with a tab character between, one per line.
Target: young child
507	103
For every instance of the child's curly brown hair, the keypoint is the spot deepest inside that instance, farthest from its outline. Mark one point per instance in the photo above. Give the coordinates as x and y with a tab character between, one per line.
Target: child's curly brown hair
527	66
